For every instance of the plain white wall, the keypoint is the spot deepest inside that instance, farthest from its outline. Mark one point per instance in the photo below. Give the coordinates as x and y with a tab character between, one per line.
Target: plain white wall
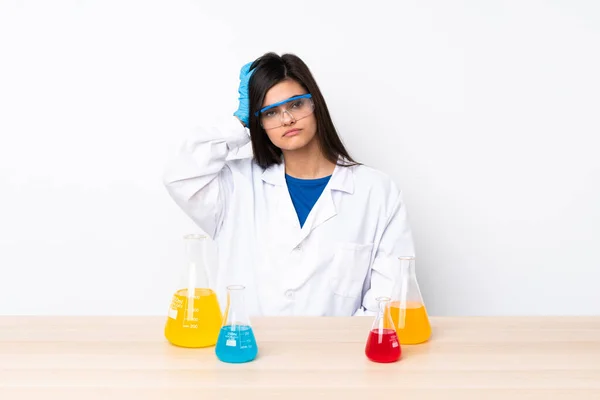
485	113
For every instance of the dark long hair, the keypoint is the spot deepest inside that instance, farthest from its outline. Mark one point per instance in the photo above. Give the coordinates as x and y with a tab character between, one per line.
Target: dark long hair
270	69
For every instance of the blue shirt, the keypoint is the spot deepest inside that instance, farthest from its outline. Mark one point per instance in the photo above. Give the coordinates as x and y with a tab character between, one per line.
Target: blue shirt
305	193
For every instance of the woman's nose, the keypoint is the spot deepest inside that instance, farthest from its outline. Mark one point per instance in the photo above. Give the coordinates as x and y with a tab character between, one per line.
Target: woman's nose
287	118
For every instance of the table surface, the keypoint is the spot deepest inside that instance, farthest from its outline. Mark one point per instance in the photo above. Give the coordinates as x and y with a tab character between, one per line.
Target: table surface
466	358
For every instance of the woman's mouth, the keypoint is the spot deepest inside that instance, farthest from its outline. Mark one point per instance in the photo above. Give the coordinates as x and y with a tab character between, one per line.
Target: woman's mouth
291	132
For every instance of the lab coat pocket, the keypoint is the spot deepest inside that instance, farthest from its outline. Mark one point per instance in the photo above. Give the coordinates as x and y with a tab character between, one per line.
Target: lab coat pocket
350	267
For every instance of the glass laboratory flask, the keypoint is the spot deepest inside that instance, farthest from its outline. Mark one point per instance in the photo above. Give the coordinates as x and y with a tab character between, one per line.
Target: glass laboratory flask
236	342
194	317
382	344
407	307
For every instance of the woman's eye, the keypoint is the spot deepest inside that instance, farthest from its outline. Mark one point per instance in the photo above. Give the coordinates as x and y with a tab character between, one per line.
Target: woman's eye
298	104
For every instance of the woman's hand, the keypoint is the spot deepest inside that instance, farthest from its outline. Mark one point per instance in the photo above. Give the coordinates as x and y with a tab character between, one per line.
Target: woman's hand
243	111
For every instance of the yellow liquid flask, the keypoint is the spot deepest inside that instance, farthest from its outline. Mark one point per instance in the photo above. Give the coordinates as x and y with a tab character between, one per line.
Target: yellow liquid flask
194	317
407	307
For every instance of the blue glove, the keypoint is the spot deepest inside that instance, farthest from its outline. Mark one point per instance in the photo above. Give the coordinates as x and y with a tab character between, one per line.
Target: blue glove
243	111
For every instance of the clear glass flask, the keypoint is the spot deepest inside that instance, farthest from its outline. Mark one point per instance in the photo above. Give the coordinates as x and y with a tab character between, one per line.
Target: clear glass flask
382	344
407	307
194	317
236	343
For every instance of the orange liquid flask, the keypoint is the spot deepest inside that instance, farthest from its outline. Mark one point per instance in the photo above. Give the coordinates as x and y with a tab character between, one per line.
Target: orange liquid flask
407	307
382	343
194	318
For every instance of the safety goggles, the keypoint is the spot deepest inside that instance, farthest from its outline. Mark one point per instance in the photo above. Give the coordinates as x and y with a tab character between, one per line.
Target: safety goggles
297	107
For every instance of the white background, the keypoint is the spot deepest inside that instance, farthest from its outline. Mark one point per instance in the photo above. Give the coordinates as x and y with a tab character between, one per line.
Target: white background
485	113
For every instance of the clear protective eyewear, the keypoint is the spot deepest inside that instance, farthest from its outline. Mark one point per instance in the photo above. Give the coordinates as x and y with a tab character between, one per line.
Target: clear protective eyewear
297	107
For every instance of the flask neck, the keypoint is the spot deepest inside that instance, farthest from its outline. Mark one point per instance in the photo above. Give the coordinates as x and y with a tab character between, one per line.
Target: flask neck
406	289
236	307
196	273
235	295
407	266
383	305
383	320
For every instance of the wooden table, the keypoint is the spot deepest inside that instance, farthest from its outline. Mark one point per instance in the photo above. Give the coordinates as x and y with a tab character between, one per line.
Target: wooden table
467	358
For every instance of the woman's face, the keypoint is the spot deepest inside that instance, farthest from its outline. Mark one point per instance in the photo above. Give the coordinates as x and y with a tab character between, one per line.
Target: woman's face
294	133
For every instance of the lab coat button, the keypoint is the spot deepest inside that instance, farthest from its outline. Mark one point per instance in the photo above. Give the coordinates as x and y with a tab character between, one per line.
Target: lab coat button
289	294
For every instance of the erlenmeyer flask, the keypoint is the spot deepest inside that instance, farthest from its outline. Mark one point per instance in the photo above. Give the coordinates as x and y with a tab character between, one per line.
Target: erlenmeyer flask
407	307
382	344
236	342
194	317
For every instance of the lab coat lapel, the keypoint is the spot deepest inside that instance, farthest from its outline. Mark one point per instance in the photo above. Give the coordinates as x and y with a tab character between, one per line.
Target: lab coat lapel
342	180
285	227
324	209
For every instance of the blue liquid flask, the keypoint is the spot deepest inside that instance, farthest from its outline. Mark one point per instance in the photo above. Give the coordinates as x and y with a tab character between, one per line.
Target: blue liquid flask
236	342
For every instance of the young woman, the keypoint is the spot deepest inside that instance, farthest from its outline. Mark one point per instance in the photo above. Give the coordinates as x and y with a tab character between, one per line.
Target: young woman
306	229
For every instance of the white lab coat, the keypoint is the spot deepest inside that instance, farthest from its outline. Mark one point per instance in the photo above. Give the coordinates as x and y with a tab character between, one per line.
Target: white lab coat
343	257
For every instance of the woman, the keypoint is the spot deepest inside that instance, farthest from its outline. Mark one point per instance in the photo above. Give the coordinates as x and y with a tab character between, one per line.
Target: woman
305	228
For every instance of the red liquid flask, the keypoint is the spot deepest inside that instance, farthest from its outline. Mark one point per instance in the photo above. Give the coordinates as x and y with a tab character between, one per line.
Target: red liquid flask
383	345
